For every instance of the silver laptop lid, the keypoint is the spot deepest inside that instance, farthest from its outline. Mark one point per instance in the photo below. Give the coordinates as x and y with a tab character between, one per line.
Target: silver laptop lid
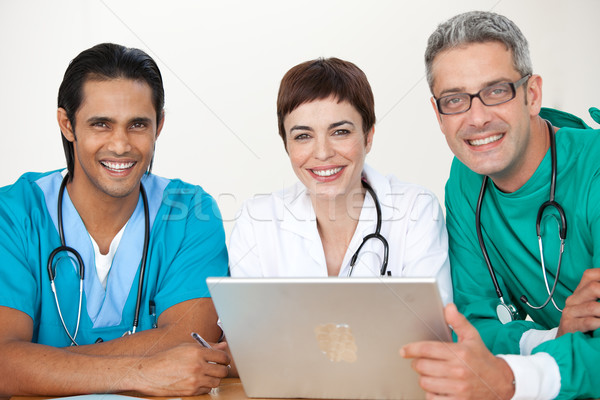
328	337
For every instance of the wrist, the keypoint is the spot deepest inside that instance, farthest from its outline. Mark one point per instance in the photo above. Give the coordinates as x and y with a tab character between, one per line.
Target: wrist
536	376
507	389
129	374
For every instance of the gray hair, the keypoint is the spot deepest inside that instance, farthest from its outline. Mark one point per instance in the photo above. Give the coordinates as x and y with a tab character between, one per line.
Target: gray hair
478	27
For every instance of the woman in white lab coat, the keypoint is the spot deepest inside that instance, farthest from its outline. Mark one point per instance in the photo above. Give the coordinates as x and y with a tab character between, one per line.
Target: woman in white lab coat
326	118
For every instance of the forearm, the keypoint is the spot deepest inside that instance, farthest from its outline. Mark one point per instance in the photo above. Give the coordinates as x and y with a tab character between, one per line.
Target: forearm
174	327
576	355
499	338
147	342
535	377
34	369
139	344
534	337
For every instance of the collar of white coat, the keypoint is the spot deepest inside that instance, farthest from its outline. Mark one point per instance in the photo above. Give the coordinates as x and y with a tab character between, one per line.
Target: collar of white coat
299	216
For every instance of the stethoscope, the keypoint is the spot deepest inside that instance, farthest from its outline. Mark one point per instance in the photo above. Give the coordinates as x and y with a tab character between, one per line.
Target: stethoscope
69	250
508	312
375	235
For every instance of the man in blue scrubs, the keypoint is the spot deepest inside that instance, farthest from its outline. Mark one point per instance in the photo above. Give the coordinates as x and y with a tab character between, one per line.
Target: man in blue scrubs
110	113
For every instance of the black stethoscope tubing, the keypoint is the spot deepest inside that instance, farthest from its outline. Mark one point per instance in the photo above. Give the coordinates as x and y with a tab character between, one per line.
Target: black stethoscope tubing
64	248
510	309
375	235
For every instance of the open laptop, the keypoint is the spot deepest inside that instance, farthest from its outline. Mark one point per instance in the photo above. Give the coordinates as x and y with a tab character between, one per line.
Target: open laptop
327	337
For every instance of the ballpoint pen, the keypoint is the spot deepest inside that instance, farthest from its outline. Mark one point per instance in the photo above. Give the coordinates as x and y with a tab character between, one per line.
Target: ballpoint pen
204	343
201	340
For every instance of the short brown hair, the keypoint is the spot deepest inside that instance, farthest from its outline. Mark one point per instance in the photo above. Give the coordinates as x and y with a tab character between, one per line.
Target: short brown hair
322	78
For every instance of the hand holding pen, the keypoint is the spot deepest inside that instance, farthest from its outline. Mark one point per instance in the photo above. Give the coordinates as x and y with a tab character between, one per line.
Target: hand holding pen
185	369
205	344
221	346
201	340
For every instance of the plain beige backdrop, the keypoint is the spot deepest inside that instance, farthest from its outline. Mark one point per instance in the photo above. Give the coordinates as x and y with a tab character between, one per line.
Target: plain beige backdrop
222	62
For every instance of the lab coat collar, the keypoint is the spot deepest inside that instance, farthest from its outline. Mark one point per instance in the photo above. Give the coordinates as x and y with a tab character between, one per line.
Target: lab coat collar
368	219
383	189
298	215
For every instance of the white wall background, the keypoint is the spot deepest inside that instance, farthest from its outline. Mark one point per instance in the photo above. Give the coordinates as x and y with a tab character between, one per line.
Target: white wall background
222	63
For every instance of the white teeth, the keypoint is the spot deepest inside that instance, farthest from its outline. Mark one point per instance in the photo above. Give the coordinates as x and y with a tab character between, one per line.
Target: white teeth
326	172
113	166
489	139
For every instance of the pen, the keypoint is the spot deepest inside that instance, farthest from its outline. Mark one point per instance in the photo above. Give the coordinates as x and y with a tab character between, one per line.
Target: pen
201	340
204	343
152	309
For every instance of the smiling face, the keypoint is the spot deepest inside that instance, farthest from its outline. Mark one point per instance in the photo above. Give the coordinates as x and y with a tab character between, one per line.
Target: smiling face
114	137
491	140
327	147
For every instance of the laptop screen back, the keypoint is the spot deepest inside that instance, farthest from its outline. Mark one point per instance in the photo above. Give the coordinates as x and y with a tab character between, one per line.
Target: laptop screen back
327	337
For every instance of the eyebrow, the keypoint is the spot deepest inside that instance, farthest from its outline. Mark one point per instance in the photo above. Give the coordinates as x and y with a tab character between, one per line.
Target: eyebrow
331	126
300	128
462	89
144	120
340	123
95	119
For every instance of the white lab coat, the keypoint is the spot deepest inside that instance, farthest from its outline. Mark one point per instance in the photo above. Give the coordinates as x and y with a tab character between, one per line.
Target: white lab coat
276	235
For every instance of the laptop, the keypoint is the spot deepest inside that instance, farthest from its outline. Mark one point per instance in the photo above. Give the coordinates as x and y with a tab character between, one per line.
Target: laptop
327	337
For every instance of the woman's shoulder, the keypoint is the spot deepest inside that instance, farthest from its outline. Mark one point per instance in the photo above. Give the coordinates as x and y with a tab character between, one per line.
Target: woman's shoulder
275	199
398	191
391	183
408	187
273	206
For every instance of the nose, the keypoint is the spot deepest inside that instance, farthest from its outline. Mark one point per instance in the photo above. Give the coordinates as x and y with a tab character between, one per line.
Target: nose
479	114
119	141
323	148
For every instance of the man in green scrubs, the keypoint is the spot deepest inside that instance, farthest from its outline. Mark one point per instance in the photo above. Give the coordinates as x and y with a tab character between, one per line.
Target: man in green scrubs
488	103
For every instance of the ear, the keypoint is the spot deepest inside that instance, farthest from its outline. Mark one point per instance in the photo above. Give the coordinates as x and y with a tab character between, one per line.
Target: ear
534	95
369	139
65	124
286	147
435	109
160	124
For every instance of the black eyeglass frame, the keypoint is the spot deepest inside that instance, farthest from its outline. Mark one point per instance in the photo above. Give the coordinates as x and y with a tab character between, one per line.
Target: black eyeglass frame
513	85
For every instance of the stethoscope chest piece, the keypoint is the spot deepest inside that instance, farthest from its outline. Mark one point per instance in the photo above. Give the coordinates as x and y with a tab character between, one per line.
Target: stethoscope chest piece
505	312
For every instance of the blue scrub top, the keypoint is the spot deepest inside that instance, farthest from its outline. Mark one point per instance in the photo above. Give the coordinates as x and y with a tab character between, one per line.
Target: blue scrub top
187	244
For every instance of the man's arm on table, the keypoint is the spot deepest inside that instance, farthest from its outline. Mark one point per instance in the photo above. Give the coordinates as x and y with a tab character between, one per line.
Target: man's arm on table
175	325
33	369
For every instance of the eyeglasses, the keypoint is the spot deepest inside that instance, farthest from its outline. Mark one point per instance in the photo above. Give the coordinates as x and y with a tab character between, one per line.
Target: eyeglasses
493	95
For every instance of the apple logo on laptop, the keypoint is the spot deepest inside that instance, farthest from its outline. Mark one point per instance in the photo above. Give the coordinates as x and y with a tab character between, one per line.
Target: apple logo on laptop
336	342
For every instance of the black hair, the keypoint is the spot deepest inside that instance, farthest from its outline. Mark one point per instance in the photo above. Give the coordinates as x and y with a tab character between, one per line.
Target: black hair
103	62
